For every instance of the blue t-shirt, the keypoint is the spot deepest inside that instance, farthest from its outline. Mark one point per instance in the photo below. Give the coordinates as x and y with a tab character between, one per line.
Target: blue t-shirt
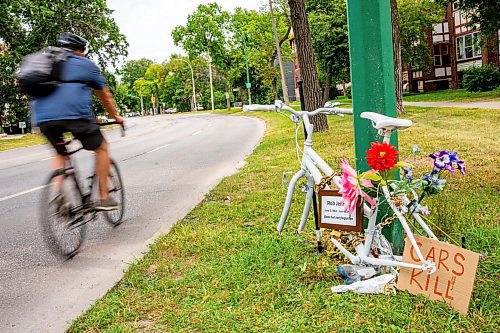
71	100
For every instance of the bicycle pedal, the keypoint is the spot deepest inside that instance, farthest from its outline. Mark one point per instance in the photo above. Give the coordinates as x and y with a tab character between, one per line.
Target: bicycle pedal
304	188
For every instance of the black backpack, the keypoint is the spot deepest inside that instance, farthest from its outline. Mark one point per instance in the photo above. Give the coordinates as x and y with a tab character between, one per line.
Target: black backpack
39	72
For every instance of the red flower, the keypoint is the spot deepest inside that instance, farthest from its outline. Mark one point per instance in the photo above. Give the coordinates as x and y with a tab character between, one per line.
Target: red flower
381	156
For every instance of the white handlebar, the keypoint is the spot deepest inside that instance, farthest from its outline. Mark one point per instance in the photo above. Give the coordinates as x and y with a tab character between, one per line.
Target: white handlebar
279	105
258	107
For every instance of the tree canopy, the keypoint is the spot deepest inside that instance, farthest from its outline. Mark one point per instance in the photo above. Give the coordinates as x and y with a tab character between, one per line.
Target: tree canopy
415	19
27	26
223	36
486	13
328	21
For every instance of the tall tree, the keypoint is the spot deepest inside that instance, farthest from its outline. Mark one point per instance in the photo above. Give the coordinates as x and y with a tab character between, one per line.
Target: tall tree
134	70
396	47
205	33
256	28
307	62
328	22
278	54
29	25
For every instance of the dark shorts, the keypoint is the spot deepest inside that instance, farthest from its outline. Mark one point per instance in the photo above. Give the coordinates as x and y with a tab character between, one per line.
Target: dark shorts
87	132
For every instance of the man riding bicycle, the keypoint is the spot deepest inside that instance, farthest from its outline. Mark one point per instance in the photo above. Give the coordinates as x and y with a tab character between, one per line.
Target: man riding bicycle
69	109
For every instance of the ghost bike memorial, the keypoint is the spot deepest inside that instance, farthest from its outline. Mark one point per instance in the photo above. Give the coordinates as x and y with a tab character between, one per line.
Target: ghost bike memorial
364	193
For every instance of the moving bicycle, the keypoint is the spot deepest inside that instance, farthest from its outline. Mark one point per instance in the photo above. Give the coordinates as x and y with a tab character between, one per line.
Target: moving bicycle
61	81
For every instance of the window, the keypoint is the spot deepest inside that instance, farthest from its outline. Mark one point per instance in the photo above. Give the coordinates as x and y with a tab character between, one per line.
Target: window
468	46
441	55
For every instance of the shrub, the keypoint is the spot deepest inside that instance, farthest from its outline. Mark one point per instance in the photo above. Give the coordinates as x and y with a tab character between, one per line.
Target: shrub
348	92
483	78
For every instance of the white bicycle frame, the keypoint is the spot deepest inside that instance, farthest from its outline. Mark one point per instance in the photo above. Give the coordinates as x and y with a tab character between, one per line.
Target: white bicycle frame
313	167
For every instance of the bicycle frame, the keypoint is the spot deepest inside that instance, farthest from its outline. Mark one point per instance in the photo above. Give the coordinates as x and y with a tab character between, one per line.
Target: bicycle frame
84	192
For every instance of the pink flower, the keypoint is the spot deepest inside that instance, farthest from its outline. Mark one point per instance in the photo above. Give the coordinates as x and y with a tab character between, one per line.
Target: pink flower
351	187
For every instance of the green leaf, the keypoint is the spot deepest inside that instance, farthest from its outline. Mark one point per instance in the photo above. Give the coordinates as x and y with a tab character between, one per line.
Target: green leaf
369	175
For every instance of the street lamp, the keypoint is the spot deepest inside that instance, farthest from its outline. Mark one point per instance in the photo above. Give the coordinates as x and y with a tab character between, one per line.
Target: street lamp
6	108
142	104
248	85
211	84
192	79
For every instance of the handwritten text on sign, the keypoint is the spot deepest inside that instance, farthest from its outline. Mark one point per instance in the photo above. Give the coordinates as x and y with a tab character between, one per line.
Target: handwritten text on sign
333	215
453	280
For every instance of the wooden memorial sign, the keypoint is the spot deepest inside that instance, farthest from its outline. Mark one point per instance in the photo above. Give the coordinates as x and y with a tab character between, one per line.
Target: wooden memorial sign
333	216
453	279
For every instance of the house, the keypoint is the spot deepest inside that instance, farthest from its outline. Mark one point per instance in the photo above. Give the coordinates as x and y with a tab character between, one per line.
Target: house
454	46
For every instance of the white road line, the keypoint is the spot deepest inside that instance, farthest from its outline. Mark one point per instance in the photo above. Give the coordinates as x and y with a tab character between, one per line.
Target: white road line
22	193
196	133
158	148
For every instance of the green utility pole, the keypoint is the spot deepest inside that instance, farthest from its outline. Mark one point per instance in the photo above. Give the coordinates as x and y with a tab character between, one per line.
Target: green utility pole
249	85
372	77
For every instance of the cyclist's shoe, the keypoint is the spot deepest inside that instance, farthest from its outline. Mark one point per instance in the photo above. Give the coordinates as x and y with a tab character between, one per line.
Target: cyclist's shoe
106	205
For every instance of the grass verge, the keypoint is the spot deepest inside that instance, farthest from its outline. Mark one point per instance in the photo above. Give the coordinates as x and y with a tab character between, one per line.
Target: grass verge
23	141
224	269
459	95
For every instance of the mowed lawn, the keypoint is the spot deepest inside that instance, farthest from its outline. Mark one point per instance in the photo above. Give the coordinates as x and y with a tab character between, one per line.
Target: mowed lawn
458	95
22	141
224	268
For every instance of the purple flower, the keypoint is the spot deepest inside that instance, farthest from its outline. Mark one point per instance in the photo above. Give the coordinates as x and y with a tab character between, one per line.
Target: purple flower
408	173
453	157
427	177
415	150
441	159
445	160
461	167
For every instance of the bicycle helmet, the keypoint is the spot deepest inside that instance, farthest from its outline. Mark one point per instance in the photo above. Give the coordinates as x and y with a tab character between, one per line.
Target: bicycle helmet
72	41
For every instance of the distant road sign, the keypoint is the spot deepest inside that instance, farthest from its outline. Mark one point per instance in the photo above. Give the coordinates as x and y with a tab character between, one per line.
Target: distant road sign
22	124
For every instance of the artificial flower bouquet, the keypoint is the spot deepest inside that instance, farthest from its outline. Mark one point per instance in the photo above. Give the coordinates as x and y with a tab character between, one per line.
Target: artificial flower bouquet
382	158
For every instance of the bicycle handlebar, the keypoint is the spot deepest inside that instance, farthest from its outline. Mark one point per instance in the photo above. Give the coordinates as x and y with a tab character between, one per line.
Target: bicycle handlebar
279	105
258	107
114	123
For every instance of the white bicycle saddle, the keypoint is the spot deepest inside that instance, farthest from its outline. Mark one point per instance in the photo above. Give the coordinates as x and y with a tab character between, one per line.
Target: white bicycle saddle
384	122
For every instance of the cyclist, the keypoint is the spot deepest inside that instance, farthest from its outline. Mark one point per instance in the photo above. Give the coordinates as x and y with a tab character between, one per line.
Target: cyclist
69	109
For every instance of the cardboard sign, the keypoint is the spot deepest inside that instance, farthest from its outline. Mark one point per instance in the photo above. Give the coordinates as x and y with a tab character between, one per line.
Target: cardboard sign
453	279
333	216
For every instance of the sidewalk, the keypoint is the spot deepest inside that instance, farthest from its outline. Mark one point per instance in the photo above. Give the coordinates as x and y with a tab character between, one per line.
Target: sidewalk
4	136
465	105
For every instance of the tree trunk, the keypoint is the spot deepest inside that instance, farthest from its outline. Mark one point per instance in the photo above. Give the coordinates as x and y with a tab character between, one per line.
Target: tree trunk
326	92
398	68
280	60
275	89
307	63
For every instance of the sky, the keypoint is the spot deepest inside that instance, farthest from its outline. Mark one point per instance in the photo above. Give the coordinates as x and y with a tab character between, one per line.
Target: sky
148	24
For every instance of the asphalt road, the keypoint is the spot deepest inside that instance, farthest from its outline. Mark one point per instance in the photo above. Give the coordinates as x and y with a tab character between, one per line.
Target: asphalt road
168	163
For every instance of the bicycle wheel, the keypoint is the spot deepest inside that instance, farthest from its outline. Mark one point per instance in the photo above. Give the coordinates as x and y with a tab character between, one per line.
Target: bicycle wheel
62	215
117	193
